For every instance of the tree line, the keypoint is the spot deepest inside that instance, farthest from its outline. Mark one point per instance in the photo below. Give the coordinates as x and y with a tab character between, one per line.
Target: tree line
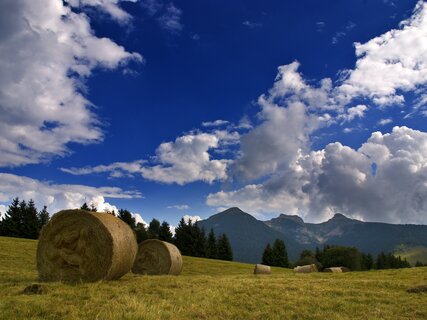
23	220
333	256
350	257
189	238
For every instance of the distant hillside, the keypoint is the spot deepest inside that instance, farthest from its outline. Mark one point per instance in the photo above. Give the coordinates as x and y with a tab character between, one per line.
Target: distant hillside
249	236
412	254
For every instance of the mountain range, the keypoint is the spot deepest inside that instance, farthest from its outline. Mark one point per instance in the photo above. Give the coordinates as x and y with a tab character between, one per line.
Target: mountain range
249	236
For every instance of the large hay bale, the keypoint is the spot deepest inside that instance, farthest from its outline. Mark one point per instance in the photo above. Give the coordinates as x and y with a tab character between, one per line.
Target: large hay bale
306	269
333	270
262	269
78	245
156	257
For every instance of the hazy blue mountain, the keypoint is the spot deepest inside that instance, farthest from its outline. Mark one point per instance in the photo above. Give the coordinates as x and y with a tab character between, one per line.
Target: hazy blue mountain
249	236
370	237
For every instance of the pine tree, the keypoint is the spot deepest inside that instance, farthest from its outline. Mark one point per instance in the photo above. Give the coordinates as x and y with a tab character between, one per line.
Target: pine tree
183	238
165	233
12	220
224	248
367	261
419	264
43	218
381	262
141	232
127	217
30	222
280	255
211	248
93	208
199	241
318	254
85	207
154	229
267	256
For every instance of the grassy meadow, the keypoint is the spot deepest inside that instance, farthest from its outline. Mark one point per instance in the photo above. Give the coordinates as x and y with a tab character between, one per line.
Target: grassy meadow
210	289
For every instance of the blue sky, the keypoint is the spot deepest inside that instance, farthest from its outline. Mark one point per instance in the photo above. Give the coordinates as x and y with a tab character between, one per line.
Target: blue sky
172	108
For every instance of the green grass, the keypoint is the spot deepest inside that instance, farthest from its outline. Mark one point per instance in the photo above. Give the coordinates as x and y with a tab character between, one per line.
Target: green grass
412	254
210	289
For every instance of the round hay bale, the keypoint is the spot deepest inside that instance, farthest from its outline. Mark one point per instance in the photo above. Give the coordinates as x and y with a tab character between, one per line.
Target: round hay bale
262	269
156	257
78	245
333	270
306	269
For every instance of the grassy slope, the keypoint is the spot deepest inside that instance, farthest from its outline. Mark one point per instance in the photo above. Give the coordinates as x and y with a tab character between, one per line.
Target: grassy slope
210	289
413	254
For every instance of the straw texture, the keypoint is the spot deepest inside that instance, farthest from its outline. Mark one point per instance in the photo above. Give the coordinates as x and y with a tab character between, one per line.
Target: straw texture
262	269
157	257
306	269
77	245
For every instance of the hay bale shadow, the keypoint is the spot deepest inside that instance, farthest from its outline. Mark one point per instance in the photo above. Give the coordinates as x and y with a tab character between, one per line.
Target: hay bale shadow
418	289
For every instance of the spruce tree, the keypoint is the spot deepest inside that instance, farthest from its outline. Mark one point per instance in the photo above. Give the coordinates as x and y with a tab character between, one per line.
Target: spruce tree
199	241
183	239
381	262
127	217
12	220
267	256
165	233
30	222
43	218
211	247
154	229
224	248
141	232
85	207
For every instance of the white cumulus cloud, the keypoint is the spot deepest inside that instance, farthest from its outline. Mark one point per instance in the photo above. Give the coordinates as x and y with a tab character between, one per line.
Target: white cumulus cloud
341	179
391	64
193	219
383	180
46	52
59	196
185	160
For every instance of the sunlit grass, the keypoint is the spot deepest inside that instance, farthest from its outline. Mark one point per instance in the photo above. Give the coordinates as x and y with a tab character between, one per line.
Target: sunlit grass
210	289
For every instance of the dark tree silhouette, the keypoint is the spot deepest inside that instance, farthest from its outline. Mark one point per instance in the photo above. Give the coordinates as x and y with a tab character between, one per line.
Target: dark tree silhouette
224	248
154	229
127	217
211	247
267	256
165	233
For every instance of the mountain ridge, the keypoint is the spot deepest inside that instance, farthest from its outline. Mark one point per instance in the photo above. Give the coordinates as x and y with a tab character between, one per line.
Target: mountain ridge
249	236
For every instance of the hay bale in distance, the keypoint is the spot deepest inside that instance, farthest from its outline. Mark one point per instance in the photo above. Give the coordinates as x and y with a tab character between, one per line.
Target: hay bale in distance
157	257
345	269
262	269
78	245
333	270
306	269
